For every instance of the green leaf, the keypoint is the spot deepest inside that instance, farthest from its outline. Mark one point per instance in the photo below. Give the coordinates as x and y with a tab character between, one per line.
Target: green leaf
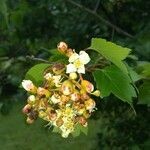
36	73
133	75
56	130
144	93
144	69
112	80
114	53
4	11
78	129
57	56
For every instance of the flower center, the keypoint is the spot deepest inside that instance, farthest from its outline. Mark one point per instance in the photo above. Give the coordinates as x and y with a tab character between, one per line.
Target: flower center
78	63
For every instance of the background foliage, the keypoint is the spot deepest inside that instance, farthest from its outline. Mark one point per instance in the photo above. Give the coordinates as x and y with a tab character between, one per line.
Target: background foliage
30	27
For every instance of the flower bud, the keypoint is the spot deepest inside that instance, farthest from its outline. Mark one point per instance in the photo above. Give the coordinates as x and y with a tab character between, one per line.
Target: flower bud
29	120
84	95
75	96
59	122
86	85
69	52
82	121
86	114
29	86
58	68
90	104
55	98
33	114
31	100
26	109
96	93
67	87
65	99
53	115
42	114
73	76
62	47
43	92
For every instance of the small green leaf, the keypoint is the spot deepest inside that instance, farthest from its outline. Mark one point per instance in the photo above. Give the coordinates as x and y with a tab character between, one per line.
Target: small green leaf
36	73
112	80
56	130
133	75
57	56
114	53
4	10
144	69
144	93
78	129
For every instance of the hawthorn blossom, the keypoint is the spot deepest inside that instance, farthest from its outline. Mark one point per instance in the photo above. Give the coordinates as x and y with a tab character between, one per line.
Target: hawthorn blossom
77	62
28	85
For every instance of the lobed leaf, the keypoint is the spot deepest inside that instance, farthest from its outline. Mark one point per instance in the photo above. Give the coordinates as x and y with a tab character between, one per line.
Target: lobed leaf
144	93
36	73
114	53
112	80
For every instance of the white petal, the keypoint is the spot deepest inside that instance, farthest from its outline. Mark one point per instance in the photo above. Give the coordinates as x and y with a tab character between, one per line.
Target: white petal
27	85
71	68
84	57
73	57
48	76
81	70
55	99
57	80
31	98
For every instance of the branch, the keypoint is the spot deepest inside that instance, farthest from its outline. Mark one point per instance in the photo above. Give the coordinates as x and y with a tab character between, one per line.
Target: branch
96	6
118	29
38	59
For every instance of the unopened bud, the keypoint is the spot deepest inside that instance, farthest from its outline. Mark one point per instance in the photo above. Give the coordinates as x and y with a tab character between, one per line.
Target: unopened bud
29	120
90	104
59	122
43	92
75	96
42	114
53	115
67	87
69	52
84	95
26	109
62	47
65	99
73	76
82	121
88	86
58	68
31	100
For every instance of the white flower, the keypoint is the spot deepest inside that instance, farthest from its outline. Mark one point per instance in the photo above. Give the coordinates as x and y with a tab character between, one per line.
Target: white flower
28	85
55	98
31	98
57	80
77	62
48	76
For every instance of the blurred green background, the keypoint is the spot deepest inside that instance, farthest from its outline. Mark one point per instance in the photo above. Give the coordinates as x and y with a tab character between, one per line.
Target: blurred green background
34	27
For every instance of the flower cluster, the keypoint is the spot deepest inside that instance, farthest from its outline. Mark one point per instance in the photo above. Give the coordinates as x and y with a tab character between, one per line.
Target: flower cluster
64	100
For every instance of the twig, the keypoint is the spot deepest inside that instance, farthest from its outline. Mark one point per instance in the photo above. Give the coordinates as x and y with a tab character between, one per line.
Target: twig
97	5
112	35
38	59
4	58
118	29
